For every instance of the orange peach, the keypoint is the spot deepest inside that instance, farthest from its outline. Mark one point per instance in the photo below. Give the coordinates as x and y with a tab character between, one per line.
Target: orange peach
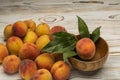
27	69
3	52
30	36
60	70
85	48
13	44
42	29
42	74
11	64
28	51
42	41
30	24
19	28
57	29
45	60
8	32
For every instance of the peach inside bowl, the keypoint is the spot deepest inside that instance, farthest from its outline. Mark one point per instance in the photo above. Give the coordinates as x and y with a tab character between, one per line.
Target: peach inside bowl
97	62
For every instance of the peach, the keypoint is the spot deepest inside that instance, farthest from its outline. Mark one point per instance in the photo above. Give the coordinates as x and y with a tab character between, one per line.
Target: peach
8	31
27	69
3	52
42	41
11	64
13	44
85	48
42	74
45	60
31	36
30	24
57	29
42	29
60	70
19	28
28	51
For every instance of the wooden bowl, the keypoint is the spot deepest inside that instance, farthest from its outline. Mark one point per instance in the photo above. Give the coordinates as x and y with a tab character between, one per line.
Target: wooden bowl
95	63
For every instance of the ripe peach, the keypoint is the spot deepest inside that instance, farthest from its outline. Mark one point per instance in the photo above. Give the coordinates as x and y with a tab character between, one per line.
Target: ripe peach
42	41
42	74
19	28
42	29
57	29
11	64
13	44
30	24
28	51
3	52
8	32
60	70
45	60
31	36
85	48
27	69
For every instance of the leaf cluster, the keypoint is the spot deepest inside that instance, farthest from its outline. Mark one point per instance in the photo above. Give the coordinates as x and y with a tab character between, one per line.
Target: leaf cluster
65	42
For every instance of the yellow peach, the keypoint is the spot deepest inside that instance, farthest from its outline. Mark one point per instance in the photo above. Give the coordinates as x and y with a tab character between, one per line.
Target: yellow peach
13	44
3	52
30	24
19	29
27	69
45	60
42	29
30	37
8	32
60	70
28	51
42	41
42	74
11	64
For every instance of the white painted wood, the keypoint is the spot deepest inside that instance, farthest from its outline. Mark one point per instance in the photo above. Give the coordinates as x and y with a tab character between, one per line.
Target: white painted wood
105	13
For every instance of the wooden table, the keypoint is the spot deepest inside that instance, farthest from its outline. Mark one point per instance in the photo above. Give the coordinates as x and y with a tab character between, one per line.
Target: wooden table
105	13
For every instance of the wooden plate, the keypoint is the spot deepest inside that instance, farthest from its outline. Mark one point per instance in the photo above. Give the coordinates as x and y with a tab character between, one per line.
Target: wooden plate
94	64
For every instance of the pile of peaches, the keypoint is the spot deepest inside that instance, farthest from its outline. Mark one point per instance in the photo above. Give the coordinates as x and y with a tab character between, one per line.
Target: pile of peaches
22	53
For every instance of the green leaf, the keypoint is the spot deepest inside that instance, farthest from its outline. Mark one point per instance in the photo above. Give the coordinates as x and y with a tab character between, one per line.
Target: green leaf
83	29
62	42
95	34
62	35
68	54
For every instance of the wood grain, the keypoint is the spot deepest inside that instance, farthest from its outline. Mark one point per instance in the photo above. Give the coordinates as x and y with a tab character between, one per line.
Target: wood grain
105	13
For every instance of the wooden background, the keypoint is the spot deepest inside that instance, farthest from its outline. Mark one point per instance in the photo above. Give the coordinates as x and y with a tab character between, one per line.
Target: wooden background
105	13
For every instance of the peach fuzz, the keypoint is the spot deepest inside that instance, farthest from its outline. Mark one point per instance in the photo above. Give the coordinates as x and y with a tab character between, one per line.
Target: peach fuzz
13	45
42	74
85	48
28	51
11	64
27	69
60	70
3	52
45	60
19	28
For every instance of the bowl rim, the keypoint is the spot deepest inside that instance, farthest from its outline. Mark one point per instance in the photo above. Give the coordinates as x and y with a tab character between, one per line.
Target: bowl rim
98	60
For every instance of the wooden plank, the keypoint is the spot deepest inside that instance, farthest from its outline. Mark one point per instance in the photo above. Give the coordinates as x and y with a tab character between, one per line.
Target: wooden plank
105	13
